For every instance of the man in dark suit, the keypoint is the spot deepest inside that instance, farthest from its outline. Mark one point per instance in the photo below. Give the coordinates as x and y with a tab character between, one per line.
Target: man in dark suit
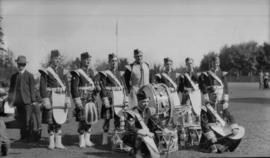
22	96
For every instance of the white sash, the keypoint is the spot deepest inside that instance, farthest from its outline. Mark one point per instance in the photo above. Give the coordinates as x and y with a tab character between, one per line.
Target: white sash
56	77
216	78
170	80
108	72
194	86
89	80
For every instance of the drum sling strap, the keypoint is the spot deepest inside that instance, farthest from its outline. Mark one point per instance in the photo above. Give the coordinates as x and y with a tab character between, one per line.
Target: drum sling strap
194	86
113	77
49	69
170	80
216	78
88	79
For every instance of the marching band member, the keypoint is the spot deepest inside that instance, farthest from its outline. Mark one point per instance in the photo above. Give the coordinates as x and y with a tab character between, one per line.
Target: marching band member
138	135
136	75
53	78
107	81
187	80
188	88
170	72
214	87
83	92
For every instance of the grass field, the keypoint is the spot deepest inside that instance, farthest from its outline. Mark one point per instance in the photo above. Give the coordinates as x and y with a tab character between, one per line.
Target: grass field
249	105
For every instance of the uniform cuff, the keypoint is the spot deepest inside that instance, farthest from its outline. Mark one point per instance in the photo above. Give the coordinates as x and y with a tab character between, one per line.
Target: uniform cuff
233	126
206	97
226	97
45	100
210	135
67	99
77	101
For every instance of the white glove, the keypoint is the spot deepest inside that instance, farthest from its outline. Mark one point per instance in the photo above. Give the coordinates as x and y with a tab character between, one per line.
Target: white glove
235	129
106	102
46	103
150	134
68	102
226	97
211	136
78	102
225	105
142	132
206	98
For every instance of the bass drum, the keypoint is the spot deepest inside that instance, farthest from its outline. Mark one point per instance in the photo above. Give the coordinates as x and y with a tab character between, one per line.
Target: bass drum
160	104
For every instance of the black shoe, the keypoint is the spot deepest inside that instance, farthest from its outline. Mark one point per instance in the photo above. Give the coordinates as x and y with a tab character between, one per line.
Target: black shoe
4	149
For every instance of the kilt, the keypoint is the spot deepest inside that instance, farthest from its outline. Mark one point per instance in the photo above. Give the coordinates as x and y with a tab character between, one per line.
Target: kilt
107	113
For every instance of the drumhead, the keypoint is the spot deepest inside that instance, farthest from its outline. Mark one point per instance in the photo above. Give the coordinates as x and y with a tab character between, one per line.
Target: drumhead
159	99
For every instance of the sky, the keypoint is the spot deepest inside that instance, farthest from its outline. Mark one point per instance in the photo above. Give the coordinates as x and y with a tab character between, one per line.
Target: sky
175	29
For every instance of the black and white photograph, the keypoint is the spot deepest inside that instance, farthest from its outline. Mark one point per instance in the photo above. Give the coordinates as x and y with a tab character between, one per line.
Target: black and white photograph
134	79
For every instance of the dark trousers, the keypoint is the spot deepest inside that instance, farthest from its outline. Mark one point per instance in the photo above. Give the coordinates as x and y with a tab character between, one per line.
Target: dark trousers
36	117
23	115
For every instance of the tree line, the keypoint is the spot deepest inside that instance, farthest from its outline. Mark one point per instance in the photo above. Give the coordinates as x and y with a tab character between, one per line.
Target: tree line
244	59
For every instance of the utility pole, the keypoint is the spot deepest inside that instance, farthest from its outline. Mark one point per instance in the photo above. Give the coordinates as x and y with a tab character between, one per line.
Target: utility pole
116	36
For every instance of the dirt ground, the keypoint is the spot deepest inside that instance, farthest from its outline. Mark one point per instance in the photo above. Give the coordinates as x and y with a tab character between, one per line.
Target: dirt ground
249	105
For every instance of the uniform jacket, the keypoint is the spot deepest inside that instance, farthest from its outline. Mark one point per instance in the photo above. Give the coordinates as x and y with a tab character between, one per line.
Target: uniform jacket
105	81
26	87
207	81
172	74
134	77
48	81
183	81
77	81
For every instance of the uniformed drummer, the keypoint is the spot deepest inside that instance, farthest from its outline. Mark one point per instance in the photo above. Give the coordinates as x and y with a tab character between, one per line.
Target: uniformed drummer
136	75
107	83
138	135
169	72
83	91
168	69
187	87
214	86
187	81
53	78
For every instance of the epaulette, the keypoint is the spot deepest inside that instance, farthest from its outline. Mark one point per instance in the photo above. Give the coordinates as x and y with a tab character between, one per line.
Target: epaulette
204	73
204	108
224	73
158	75
74	73
94	72
177	74
128	67
103	73
65	71
43	71
121	73
181	76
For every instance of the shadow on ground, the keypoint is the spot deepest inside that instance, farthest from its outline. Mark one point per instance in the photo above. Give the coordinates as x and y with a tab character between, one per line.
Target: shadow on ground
110	154
29	145
253	100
